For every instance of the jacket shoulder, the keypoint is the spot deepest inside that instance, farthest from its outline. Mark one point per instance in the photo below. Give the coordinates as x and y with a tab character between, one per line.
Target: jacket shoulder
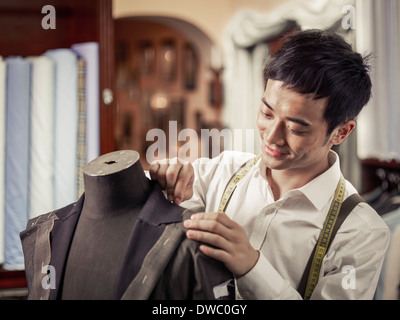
52	215
41	219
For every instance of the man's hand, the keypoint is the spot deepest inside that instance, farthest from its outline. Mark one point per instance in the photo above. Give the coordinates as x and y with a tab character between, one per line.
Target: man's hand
175	176
227	241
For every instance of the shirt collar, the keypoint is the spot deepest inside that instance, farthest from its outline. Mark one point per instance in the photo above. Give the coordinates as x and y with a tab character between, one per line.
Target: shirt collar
319	190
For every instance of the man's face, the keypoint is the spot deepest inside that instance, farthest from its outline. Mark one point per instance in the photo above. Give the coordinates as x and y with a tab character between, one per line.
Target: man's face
293	130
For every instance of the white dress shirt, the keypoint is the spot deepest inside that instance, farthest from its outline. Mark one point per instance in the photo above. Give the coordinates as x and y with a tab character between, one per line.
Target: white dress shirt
286	231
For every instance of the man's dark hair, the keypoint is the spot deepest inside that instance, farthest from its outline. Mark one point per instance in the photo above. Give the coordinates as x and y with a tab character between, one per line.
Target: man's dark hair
323	64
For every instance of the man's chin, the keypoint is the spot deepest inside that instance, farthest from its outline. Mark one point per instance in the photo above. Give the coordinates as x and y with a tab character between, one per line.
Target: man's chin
275	163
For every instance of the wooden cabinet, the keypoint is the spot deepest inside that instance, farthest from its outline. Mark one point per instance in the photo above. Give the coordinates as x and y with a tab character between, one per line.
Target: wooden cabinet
75	21
154	78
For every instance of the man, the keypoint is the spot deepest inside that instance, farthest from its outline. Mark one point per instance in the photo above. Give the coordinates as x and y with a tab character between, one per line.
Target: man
315	86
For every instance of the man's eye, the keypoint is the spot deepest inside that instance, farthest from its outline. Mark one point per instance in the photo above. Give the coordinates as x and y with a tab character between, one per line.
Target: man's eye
299	133
266	115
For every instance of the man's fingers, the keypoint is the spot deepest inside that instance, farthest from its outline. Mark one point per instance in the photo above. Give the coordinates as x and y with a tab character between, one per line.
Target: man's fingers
161	174
171	177
184	184
224	240
215	253
212	239
207	227
175	177
220	217
153	170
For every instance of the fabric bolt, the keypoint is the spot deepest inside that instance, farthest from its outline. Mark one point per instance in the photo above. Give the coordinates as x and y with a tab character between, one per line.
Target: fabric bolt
3	72
90	52
81	147
42	137
65	125
17	159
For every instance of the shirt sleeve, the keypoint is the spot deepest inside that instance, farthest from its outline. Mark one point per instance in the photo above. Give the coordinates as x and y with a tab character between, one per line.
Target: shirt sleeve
350	272
354	270
264	282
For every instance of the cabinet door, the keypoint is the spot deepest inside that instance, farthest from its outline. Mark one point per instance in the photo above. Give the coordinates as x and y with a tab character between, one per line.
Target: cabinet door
107	99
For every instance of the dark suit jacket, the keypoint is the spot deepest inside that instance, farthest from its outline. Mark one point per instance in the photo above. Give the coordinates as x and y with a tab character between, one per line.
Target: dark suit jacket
161	263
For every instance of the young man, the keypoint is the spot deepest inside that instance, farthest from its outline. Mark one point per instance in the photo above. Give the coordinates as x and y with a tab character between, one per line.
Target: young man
315	86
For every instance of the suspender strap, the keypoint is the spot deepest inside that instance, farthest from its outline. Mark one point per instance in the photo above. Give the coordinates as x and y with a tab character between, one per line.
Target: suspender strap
347	206
324	237
231	186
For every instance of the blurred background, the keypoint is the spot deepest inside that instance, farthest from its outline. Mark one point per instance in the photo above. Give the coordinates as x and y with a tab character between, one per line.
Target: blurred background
167	77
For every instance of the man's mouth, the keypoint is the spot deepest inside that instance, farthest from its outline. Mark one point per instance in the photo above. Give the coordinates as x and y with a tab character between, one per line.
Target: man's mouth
274	153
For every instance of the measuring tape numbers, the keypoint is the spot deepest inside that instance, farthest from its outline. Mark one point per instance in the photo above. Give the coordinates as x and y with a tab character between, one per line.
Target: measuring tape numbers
324	238
231	186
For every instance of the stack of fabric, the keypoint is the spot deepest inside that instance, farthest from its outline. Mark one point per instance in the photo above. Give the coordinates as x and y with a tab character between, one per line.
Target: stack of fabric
49	129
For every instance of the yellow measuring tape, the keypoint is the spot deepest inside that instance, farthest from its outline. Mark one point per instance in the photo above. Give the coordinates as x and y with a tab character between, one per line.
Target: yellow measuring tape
326	231
324	238
231	186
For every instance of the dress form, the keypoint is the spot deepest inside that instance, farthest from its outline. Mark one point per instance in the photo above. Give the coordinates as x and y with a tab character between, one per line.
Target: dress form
115	190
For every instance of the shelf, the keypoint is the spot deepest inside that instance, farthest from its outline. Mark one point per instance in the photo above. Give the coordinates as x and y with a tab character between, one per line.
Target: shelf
13	284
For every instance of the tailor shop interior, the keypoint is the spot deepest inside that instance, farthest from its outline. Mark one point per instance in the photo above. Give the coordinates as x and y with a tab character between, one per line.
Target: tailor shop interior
80	79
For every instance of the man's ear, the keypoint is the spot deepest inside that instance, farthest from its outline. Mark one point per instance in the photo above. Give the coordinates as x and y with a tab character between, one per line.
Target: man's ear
342	132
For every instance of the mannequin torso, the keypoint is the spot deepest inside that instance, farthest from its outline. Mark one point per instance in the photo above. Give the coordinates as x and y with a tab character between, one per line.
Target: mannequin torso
115	190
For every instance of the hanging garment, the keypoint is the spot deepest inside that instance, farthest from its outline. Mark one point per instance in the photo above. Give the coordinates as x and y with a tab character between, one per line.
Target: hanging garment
17	159
161	263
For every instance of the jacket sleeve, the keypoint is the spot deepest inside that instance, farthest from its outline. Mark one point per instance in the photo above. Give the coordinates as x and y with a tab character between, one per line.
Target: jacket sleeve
190	275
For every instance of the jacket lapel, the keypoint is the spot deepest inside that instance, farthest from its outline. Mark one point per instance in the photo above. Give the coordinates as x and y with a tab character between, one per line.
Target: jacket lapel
61	238
154	264
154	217
44	235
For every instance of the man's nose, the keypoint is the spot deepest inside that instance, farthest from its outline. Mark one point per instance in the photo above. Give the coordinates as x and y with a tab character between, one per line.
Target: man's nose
275	133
